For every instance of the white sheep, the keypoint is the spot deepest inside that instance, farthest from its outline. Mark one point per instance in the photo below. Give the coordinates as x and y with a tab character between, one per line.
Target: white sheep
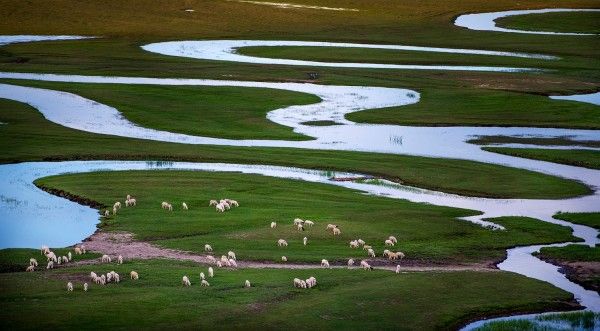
389	243
109	276
273	225
233	263
337	231
393	239
282	243
77	250
82	249
371	252
204	283
354	244
305	241
350	263
184	206
231	255
398	269
208	248
325	263
400	255
367	247
130	202
211	272
234	203
309	223
392	256
213	203
202	277
247	284
283	259
311	282
164	205
44	250
93	276
300	227
331	226
224	259
128	197
365	265
298	221
30	268
117	205
106	259
220	208
186	281
70	287
33	262
120	259
169	207
50	256
297	282
106	213
59	260
386	252
134	275
114	210
85	287
103	279
70	256
65	259
361	242
303	284
116	277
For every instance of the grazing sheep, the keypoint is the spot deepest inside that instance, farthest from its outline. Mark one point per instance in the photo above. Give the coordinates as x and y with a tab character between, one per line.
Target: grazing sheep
130	202
33	262
65	259
117	205
367	247
354	244
184	206
120	259
311	282
305	241
59	260
134	275
103	279
117	278
70	287
389	243
232	263
106	259
51	257
208	248
202	276
309	223
211	272
186	281
350	263
77	250
234	203
400	255
393	256
70	256
282	243
273	225
247	284
85	287
393	239
331	226
283	259
386	252
220	208
225	204
325	263
109	276
398	269
114	210
298	221
297	282
371	252
164	205
300	227
219	264
30	268
106	213
204	283
231	255
45	250
365	265
337	231
361	242
213	203
83	249
128	197
93	275
169	207
224	258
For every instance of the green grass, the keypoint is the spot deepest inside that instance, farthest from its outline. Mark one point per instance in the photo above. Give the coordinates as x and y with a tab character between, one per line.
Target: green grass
320	123
571	253
581	320
584	319
477	107
29	137
342	299
576	157
212	111
589	219
557	141
583	22
426	233
17	259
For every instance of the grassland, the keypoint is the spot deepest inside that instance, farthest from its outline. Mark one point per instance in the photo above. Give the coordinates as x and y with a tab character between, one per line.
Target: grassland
583	22
426	233
582	320
17	259
576	157
556	141
589	219
580	263
342	299
29	137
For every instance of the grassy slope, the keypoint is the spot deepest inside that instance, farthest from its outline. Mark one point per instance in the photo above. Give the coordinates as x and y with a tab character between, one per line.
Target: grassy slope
562	22
221	112
28	137
17	259
557	141
425	232
572	253
580	158
589	219
157	300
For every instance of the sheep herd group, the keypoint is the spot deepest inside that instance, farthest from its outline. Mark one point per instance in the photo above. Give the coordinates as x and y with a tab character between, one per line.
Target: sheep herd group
223	205
52	258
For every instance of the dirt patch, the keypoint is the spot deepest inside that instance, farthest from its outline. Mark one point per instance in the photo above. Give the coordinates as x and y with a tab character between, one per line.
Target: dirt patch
586	274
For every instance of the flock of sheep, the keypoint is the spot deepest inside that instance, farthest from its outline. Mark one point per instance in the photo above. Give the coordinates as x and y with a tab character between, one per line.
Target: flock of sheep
228	260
